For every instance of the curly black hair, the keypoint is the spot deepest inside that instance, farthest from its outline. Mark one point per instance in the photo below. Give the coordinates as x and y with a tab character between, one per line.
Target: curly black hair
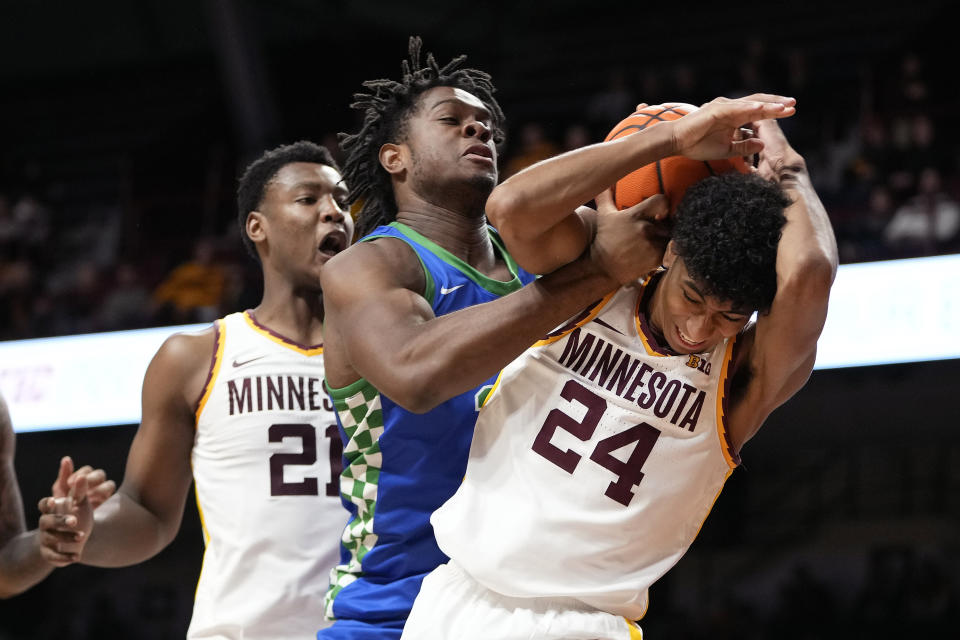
256	178
727	230
386	110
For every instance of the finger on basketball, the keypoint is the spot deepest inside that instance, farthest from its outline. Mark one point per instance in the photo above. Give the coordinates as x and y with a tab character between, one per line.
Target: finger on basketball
771	97
746	147
604	202
656	207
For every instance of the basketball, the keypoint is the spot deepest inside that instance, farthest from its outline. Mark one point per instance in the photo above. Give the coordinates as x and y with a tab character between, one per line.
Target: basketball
669	176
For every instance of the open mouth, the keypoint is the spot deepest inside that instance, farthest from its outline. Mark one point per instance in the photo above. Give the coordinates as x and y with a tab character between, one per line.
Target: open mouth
333	243
688	342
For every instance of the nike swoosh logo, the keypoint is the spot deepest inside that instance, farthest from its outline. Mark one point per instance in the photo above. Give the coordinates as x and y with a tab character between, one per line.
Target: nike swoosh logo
237	363
444	291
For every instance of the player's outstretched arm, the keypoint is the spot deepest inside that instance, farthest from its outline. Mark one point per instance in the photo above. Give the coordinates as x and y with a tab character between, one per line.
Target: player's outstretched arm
782	347
145	514
378	326
534	210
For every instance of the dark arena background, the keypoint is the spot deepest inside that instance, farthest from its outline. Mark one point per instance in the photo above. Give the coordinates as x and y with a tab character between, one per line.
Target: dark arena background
123	126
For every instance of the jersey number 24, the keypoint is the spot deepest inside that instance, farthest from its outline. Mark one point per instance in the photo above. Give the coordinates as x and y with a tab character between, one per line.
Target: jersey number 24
628	473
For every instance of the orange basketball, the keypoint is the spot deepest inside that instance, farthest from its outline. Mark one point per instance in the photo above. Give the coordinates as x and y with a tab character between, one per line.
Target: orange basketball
670	176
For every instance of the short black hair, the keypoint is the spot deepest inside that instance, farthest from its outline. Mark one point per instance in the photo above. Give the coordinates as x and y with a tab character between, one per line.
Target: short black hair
727	231
257	176
386	109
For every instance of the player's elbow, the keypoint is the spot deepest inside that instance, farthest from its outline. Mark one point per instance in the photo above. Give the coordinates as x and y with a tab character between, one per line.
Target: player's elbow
809	284
421	388
417	396
503	211
818	271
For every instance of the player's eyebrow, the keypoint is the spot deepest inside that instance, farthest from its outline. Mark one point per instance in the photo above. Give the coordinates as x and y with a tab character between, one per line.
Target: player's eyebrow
309	184
483	112
691	285
738	312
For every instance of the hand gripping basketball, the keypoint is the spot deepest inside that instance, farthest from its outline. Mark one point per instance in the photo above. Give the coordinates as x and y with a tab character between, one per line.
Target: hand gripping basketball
712	146
712	132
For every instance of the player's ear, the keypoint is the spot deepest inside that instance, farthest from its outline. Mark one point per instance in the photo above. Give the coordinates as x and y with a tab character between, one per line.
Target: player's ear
669	255
393	158
255	226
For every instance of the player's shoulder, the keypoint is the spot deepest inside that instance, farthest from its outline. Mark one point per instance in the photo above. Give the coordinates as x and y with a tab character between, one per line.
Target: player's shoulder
186	351
378	263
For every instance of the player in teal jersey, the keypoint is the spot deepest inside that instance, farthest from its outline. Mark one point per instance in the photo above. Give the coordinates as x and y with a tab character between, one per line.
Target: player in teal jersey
423	313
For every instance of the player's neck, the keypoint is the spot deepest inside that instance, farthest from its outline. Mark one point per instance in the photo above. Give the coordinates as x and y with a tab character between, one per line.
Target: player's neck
653	309
297	316
464	236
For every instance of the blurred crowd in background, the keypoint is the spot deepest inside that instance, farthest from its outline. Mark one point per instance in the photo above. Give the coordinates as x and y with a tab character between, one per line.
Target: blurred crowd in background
117	211
881	152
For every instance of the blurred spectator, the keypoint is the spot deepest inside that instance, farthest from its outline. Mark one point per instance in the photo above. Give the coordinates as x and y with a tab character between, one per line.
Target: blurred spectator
575	136
534	147
17	288
32	220
9	229
193	291
862	235
127	304
875	160
906	90
928	222
614	103
81	302
685	88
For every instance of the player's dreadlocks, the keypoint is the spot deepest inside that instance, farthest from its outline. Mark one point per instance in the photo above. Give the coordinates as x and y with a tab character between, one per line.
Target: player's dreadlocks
386	109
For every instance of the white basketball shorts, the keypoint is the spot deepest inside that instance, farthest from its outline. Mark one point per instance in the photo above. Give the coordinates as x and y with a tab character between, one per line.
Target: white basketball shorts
451	604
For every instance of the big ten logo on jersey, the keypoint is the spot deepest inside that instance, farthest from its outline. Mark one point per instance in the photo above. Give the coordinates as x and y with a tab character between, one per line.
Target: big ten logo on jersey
296	457
641	436
699	363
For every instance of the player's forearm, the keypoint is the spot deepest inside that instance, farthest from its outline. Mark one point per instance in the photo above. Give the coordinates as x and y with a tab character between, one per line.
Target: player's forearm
125	533
479	341
21	564
808	248
534	200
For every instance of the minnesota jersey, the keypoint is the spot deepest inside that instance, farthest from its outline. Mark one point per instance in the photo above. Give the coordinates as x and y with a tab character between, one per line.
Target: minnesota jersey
266	461
400	466
594	463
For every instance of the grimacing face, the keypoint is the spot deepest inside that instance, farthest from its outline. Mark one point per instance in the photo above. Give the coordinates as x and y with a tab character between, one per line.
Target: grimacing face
304	220
450	140
689	320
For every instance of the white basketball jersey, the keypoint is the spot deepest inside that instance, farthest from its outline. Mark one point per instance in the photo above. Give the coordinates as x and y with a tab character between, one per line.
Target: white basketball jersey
594	463
266	463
